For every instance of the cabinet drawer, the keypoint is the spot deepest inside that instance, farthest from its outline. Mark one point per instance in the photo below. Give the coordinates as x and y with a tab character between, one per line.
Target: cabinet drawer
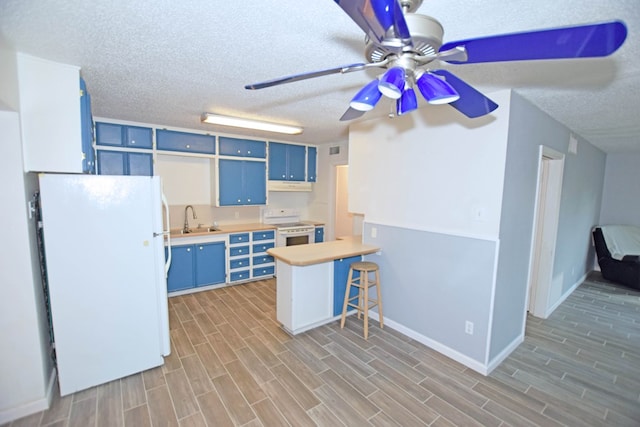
239	250
262	247
239	275
263	271
187	142
262	259
242	147
239	263
238	238
263	235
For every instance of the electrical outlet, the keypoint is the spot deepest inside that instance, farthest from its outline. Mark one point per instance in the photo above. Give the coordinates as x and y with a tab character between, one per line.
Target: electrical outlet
468	327
374	232
237	214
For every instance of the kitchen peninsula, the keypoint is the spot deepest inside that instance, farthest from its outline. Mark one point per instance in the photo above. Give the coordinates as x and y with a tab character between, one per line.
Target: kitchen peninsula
311	280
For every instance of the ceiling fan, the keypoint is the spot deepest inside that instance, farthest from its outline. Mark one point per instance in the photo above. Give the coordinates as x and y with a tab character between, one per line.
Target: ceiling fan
407	45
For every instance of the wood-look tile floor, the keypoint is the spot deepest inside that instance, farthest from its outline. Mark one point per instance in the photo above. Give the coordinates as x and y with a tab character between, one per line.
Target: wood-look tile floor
231	364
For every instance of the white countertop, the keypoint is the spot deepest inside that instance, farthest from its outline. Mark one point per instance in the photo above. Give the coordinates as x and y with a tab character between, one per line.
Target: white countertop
316	253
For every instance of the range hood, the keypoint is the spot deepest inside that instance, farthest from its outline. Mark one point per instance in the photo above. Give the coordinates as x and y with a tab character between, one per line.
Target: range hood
289	186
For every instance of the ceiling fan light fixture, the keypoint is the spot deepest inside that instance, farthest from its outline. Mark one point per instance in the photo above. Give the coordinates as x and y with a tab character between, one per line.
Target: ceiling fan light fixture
217	119
436	90
407	102
392	82
367	97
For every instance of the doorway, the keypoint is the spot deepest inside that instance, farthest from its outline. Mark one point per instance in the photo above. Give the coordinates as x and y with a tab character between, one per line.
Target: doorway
343	218
550	169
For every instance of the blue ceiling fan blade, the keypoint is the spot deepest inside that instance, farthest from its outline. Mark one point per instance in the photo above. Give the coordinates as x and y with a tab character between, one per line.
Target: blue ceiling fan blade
382	20
472	103
583	41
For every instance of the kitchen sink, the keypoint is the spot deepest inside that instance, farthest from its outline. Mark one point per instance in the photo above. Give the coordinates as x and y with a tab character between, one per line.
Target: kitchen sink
200	230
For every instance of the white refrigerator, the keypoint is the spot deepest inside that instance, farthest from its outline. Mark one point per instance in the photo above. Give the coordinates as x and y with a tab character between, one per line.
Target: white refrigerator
106	273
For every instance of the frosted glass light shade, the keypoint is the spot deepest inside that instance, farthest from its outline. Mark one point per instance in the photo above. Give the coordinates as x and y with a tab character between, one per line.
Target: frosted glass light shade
392	82
367	97
435	90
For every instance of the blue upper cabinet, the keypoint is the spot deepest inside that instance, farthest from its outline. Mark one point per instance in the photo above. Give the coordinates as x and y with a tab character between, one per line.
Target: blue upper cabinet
287	162
242	182
312	156
242	147
115	135
88	155
170	140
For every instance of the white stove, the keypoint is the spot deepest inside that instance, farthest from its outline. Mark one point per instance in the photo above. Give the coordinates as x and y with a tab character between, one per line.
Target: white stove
289	230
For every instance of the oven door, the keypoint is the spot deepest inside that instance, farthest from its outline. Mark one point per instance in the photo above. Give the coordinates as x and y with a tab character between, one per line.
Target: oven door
295	238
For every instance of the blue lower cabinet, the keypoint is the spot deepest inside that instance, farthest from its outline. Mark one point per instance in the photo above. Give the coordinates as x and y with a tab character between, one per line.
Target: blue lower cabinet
210	263
239	263
262	247
262	259
340	276
196	265
181	272
263	271
240	275
239	250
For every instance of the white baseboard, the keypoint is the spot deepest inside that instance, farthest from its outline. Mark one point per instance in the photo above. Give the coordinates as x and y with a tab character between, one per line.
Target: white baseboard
551	309
504	354
439	347
11	414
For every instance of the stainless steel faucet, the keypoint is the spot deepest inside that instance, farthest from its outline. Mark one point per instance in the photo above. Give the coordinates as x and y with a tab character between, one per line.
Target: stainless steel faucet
186	218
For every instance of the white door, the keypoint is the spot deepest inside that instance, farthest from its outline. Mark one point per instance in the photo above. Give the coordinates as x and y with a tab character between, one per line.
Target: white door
551	164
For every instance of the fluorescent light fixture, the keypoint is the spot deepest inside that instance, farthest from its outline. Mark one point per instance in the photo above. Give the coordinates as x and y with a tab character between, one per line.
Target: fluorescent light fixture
216	119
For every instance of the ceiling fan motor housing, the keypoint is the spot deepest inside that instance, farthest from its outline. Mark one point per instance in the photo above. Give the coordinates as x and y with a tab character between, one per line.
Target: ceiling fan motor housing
426	34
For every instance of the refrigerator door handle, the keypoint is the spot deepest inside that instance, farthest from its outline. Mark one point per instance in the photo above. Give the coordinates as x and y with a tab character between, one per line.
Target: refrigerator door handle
167	233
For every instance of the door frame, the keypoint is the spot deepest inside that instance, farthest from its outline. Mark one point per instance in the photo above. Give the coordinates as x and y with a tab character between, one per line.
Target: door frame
545	230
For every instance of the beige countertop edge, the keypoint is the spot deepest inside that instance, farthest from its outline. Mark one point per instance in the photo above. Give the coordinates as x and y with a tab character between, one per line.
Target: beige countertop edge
224	229
302	255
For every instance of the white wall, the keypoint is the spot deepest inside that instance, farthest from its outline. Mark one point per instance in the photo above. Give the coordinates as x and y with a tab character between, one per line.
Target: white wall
432	170
580	203
431	183
25	369
621	194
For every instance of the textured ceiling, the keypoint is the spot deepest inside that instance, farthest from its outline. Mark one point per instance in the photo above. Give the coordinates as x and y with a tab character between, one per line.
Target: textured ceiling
166	62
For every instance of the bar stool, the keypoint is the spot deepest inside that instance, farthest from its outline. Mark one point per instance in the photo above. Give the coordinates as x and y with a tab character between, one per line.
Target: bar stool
362	302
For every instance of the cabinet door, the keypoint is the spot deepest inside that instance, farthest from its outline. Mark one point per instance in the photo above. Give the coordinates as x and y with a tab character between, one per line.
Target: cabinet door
124	163
312	163
255	183
210	263
319	235
187	142
296	162
89	157
138	137
230	182
139	164
242	147
181	271
108	134
277	161
111	162
340	276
